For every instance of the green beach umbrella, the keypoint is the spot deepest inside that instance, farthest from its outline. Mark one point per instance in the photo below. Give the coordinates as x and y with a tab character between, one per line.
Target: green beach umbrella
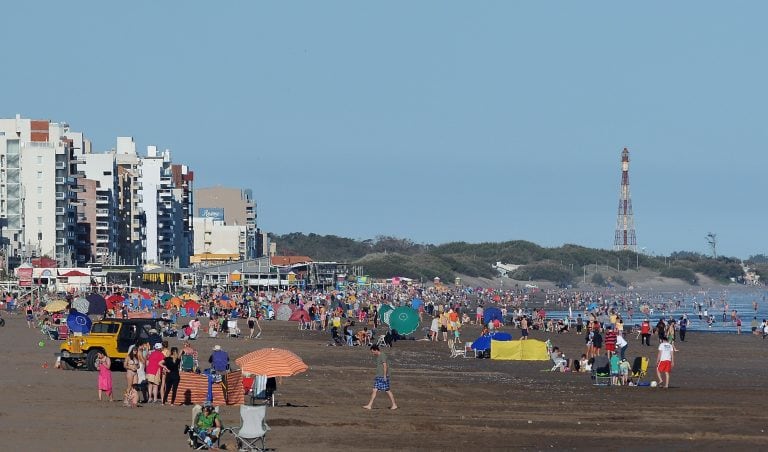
404	319
384	311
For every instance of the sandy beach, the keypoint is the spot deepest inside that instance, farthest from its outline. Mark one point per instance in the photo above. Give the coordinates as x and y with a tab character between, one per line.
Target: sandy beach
717	399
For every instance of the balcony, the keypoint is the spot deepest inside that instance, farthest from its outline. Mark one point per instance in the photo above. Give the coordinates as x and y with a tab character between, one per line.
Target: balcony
61	226
61	196
61	241
61	180
61	165
102	200
61	211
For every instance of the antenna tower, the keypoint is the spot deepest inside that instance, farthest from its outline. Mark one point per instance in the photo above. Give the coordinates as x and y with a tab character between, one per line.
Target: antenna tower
625	223
712	241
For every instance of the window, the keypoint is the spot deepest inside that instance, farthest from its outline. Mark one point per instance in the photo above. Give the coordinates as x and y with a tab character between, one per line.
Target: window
39	159
39	175
107	173
39	205
39	190
39	221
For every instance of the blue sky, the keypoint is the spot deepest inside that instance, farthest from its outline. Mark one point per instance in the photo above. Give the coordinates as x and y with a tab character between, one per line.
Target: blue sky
436	121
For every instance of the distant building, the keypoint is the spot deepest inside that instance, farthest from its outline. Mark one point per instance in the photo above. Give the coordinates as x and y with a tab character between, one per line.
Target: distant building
235	207
131	225
505	269
217	242
38	182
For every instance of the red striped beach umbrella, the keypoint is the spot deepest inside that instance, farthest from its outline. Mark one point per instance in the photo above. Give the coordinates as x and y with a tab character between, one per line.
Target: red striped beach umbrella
272	362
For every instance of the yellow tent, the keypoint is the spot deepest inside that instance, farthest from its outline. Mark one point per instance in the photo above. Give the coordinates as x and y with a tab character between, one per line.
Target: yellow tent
527	350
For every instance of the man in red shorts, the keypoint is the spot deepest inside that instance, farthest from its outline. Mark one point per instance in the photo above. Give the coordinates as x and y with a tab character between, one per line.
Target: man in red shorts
665	360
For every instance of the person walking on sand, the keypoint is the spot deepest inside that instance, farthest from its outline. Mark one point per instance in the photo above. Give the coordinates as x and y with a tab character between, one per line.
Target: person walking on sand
103	363
665	360
381	382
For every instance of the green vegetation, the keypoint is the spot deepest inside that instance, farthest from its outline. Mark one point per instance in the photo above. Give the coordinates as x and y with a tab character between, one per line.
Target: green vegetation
685	274
547	271
387	256
598	279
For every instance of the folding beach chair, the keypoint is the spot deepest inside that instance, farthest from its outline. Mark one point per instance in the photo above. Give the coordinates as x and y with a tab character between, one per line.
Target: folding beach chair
188	363
469	352
601	371
46	332
253	429
639	369
456	350
259	389
63	332
232	327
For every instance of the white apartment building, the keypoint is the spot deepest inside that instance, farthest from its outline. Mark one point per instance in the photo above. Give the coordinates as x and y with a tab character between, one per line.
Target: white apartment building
164	212
101	216
39	188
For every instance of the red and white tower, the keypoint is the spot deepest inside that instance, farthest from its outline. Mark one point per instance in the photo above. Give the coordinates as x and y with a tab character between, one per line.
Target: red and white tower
625	223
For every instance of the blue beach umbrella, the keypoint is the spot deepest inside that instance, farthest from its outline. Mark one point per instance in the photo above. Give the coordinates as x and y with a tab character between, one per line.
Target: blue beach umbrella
78	322
483	343
491	314
416	303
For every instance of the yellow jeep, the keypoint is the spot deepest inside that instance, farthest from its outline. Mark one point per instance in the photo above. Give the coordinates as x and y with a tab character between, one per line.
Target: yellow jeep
111	336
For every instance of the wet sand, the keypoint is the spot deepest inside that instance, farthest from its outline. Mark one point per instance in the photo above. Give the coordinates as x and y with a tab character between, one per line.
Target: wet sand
717	400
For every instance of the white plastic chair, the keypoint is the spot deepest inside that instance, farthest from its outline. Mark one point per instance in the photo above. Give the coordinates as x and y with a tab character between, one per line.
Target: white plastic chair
234	331
469	352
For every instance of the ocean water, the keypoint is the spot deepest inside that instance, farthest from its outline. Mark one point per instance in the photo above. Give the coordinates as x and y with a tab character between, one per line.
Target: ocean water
664	304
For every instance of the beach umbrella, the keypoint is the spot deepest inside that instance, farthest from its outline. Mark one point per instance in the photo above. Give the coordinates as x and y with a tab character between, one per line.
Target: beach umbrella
78	322
192	306
97	305
56	306
272	362
592	306
146	303
176	302
384	311
283	312
80	305
191	296
165	297
299	315
483	343
142	293
416	303
113	300
404	319
491	314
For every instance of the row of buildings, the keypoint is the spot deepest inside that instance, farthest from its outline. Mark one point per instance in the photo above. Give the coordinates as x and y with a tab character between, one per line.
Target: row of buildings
60	199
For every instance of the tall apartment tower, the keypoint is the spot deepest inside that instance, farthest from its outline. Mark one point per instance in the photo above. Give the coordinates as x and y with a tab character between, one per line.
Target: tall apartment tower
39	184
625	224
131	224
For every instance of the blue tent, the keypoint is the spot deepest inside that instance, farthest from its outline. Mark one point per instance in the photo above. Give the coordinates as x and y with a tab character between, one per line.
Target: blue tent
491	314
78	322
483	343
